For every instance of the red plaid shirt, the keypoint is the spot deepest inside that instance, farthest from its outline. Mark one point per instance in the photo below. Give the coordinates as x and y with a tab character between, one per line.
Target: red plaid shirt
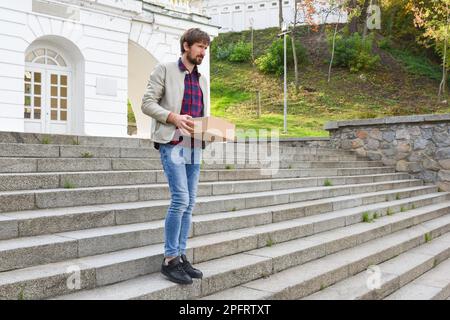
192	102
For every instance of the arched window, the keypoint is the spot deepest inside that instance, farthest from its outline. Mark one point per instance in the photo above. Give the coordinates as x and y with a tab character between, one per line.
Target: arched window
46	56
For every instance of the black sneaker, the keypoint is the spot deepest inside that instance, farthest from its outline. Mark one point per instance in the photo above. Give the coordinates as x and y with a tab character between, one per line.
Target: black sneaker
175	272
190	270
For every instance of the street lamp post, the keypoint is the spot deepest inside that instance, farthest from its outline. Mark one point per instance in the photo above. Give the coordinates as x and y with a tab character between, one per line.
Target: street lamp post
284	33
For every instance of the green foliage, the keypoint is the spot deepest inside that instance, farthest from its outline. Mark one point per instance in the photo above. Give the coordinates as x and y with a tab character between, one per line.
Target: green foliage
131	117
272	62
241	52
354	52
418	64
224	52
87	155
45	140
367	217
427	237
327	183
69	185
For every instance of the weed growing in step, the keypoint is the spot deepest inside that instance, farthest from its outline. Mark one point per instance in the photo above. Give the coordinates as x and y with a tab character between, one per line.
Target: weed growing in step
87	155
427	237
45	140
327	183
390	212
269	242
367	217
69	185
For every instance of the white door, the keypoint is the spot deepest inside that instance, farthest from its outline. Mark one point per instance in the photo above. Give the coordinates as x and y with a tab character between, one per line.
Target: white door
47	93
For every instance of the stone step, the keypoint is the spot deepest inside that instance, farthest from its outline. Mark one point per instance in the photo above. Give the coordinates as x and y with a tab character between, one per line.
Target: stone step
99	270
250	275
54	180
95	241
47	221
78	151
31	165
60	198
310	277
427	266
433	284
38	138
16	165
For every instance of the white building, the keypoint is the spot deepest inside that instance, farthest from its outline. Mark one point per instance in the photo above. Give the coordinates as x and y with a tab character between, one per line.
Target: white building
69	66
238	15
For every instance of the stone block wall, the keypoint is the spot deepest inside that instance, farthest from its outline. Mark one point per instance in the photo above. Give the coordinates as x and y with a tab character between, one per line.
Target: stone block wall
419	145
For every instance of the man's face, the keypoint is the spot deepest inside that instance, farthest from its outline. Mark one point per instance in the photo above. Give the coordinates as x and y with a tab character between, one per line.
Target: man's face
196	53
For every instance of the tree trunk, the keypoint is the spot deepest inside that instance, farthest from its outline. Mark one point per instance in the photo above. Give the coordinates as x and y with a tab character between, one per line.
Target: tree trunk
294	51
443	86
367	18
353	24
334	43
280	12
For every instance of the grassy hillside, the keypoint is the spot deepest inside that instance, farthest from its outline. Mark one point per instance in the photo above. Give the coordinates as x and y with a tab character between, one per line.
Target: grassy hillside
404	84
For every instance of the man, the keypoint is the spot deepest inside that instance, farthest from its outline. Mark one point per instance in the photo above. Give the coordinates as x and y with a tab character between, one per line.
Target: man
176	93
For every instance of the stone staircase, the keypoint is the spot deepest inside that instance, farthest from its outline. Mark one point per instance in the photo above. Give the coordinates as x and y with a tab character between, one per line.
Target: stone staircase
83	218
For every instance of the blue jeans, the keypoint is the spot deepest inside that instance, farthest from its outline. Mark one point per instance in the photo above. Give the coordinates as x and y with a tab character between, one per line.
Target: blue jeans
182	169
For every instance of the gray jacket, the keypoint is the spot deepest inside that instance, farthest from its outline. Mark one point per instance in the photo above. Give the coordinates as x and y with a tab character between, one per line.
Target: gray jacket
165	91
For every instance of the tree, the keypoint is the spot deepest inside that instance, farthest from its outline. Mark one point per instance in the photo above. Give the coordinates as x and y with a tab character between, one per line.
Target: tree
433	17
308	10
334	6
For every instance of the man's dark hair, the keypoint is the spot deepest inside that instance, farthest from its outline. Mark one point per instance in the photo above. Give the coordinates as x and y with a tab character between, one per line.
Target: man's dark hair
192	36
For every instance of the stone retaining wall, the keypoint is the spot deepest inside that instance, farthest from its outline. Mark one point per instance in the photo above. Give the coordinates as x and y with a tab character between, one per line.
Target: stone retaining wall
419	145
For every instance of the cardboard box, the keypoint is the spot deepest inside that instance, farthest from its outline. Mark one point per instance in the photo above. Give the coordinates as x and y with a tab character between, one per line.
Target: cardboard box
213	129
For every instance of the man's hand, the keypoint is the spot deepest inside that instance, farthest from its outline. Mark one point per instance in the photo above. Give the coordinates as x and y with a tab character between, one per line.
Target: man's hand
182	122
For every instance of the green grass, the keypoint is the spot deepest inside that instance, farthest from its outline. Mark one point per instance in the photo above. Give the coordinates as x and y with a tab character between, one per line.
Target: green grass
367	217
417	64
87	155
69	185
269	242
21	295
403	209
327	183
45	140
384	92
427	237
229	167
390	212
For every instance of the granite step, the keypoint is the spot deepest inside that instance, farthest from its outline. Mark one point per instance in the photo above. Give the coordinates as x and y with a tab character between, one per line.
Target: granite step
323	258
48	221
83	179
60	198
28	251
306	244
79	151
420	273
311	277
434	284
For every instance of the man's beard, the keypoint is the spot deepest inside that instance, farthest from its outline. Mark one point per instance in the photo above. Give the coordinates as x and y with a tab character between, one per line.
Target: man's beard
195	60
